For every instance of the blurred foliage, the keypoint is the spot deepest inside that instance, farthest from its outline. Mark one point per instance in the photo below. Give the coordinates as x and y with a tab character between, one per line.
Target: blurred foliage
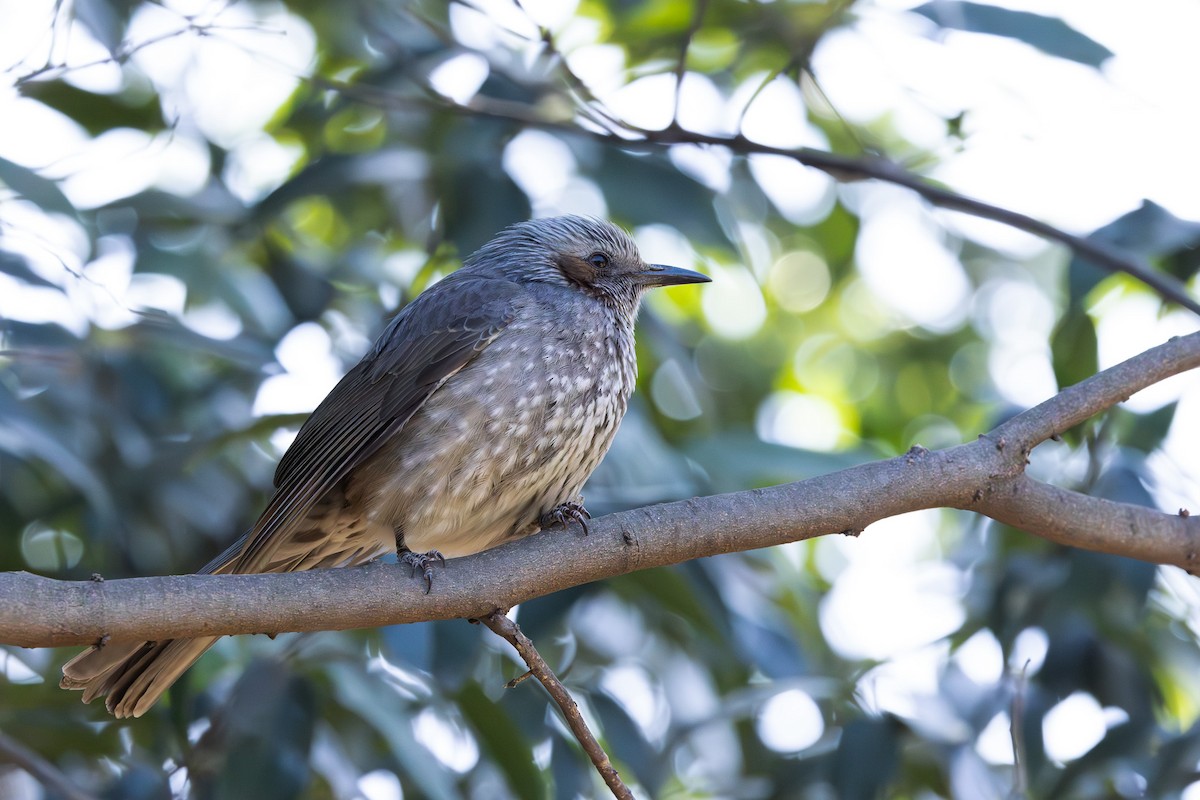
130	443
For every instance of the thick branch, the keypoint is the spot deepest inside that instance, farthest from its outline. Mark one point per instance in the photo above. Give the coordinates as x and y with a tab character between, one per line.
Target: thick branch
985	476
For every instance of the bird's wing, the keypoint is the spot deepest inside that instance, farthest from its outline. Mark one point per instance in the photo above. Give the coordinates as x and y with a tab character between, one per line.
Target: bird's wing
435	336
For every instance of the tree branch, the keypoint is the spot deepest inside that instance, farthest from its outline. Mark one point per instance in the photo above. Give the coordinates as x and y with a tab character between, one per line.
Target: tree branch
681	64
43	771
1093	523
1016	731
840	167
986	476
508	630
846	168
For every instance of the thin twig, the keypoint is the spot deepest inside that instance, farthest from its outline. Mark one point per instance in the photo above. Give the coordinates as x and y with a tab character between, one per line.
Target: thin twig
506	629
851	168
800	62
127	50
681	64
848	129
583	98
767	80
1016	721
840	167
42	770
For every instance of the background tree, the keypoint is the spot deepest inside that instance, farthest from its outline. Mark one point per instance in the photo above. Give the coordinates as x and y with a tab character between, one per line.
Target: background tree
212	207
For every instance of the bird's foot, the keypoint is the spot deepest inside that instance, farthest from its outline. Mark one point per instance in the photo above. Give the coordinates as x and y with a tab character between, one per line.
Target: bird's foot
423	562
564	515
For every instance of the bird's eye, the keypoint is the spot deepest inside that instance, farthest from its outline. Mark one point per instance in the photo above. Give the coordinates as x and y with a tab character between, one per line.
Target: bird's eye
598	260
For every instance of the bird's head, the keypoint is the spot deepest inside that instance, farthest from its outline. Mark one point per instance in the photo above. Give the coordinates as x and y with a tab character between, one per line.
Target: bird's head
583	253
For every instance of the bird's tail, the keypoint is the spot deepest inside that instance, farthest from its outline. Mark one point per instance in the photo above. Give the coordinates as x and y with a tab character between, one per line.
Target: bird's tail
133	676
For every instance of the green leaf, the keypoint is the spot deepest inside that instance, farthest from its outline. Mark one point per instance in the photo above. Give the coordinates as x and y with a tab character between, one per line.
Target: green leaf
33	437
660	17
478	197
1149	231
685	592
1049	34
98	112
624	178
35	188
455	645
1073	349
306	292
259	744
382	708
105	19
503	741
1143	431
623	740
867	741
735	459
16	266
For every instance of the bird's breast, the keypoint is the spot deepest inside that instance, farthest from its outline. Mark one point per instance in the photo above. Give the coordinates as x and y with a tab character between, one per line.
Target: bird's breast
513	434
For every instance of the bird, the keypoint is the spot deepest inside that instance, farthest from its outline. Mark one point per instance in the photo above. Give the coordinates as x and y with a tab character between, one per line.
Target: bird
474	419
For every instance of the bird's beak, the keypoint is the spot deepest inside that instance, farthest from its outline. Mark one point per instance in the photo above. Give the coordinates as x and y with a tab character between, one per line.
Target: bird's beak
662	275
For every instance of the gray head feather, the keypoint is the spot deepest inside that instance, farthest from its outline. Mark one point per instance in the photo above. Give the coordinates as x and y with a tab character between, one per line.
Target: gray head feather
556	250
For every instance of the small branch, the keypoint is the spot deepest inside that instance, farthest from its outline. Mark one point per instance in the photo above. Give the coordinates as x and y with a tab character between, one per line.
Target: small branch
42	770
851	168
631	136
681	64
840	167
126	50
1086	399
506	629
1093	523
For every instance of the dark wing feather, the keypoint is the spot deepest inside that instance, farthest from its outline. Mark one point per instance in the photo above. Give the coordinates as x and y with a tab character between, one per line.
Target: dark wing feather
434	337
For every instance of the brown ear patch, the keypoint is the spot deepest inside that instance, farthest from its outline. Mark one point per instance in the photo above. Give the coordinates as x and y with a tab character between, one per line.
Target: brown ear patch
577	270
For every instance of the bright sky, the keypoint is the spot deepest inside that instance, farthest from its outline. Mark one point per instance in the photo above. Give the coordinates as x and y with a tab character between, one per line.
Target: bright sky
1047	137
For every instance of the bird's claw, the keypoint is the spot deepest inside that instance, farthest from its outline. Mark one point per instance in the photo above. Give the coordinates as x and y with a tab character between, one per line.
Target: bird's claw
423	562
564	515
